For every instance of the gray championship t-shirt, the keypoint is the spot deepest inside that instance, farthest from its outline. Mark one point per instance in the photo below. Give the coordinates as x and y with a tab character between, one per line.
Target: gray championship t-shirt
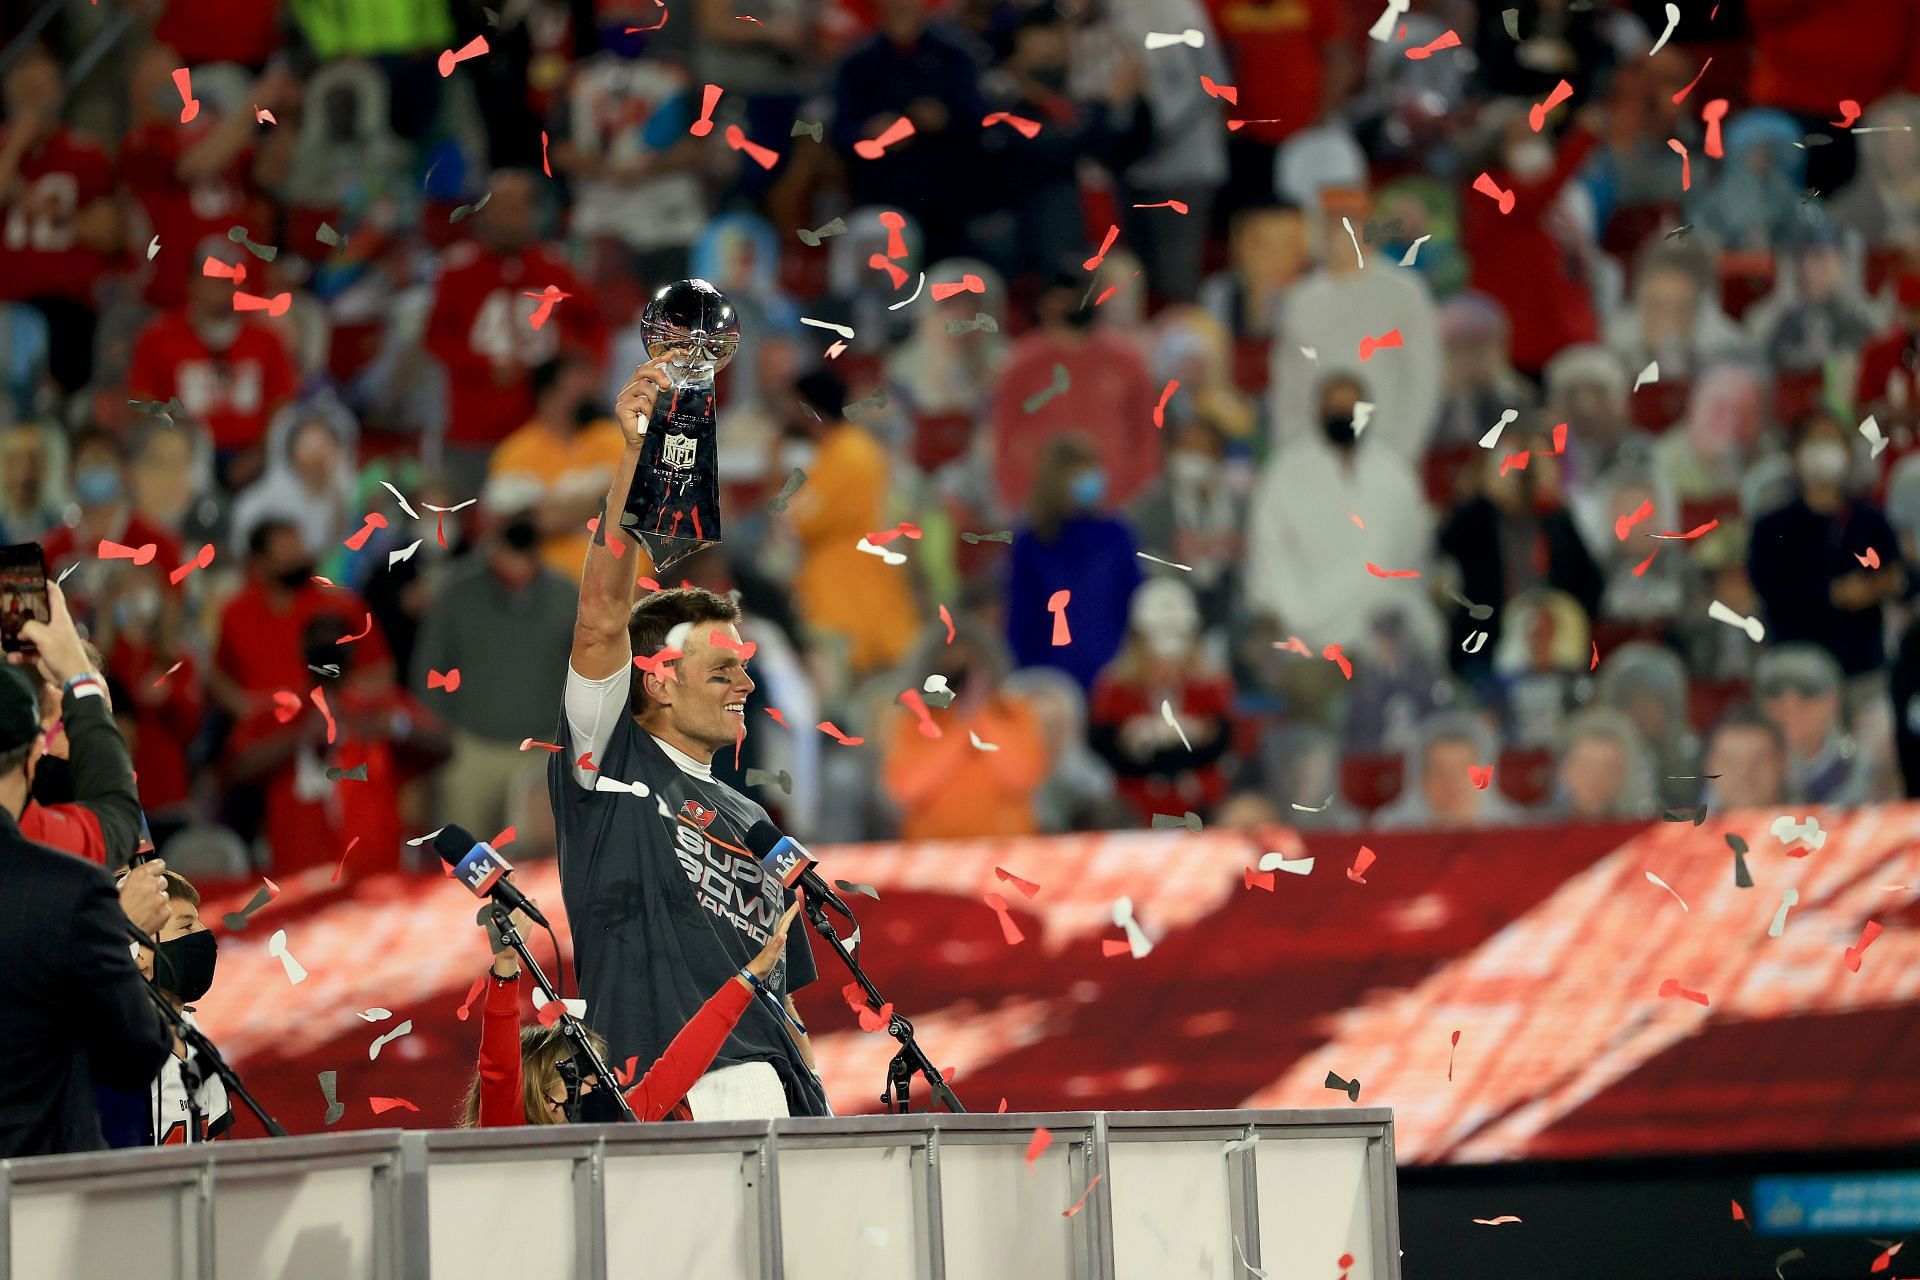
666	905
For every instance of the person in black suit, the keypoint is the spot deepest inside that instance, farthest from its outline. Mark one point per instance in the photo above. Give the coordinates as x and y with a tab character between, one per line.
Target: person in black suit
71	1006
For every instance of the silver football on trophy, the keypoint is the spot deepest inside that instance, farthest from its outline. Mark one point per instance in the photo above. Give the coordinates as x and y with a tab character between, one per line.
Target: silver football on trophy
691	325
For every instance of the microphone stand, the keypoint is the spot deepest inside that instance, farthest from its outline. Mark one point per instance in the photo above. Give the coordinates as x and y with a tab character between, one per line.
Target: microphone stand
202	1049
571	1027
911	1058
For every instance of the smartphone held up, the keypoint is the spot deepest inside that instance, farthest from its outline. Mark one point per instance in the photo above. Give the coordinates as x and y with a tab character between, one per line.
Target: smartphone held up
23	593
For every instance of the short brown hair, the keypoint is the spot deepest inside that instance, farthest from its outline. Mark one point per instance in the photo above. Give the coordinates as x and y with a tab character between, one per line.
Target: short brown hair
660	613
179	888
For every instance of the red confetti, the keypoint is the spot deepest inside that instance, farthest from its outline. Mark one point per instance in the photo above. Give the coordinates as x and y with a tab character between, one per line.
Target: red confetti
362	634
505	838
546	166
894	271
832	731
1386	341
1516	461
1559	439
624	1075
1361	861
586	762
1849	112
948	619
1885	1259
1332	653
1870	560
1027	887
873	148
1057	606
1867	935
1113	233
1739	1214
1110	948
1624	525
1008	929
1713	113
189	105
142	554
473	993
1537	114
1224	92
709	99
875	1019
1448	39
276	306
1481	775
901	530
550	1012
657	664
383	1105
1378	572
1178	206
1042	1139
1672	987
286	705
737	139
896	224
1594	664
170	670
665	13
913	702
359	538
744	649
450	58
343	866
1698	531
1257	879
215	269
201	560
450	681
1640	570
1679	148
319	697
777	717
548	297
968	283
1487	187
529	744
1456	1045
1081	1203
1019	124
1681	96
1160	410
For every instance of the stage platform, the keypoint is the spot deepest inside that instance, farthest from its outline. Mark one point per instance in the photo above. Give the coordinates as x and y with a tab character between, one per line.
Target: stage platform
1128	1195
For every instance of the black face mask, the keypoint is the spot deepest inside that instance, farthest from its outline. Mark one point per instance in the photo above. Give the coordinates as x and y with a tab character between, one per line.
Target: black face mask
521	535
1339	430
184	965
591	1105
52	781
295	577
586	413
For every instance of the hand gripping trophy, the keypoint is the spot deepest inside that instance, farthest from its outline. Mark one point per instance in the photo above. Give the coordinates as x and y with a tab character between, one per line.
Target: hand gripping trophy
673	508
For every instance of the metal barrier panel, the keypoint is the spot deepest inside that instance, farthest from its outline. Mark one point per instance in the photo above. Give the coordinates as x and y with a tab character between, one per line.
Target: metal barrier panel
695	1208
923	1196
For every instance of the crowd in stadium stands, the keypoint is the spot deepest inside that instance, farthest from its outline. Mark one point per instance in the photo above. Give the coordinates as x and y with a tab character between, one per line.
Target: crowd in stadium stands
1427	535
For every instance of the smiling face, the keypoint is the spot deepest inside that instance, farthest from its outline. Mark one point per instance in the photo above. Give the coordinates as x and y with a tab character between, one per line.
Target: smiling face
700	705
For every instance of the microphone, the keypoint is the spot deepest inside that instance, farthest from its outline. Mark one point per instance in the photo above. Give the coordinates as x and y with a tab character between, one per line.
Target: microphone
785	859
479	866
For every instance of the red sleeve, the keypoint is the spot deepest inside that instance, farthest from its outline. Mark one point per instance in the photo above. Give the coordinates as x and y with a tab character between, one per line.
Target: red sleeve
585	324
691	1053
70	828
1575	146
502	1099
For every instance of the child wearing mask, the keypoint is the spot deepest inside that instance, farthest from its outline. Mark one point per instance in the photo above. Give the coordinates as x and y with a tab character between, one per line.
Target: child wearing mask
529	1075
186	1102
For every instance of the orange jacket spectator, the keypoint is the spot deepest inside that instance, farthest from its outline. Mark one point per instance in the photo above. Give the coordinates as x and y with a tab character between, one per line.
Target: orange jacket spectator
948	788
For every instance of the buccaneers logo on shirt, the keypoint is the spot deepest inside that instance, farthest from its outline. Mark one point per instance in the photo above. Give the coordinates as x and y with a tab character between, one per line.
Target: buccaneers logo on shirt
698	814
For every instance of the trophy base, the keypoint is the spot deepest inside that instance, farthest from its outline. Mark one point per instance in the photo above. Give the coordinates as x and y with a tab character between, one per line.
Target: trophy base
665	551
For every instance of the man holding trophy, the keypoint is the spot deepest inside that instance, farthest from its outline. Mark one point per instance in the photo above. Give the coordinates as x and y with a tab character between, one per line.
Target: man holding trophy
665	901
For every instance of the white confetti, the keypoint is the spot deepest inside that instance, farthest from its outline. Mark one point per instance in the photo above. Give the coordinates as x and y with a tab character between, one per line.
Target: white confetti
1755	629
277	947
1649	374
1807	831
841	329
1171	564
373	1050
1789	897
1474	643
1166	713
601	782
1870	430
1362	415
153	247
406	553
1492	437
400	498
918	286
447	511
62	579
1356	242
1322	807
417	841
578	1008
979	745
1281	862
1311	353
1389	21
886	554
1192	37
1137	939
1243	1144
1406	259
1654	879
1673	20
374	1015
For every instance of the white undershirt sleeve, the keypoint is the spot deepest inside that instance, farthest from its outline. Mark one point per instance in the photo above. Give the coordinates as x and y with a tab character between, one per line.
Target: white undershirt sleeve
594	708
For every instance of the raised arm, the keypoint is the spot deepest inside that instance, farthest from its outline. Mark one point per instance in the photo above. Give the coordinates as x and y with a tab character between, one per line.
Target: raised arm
600	646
